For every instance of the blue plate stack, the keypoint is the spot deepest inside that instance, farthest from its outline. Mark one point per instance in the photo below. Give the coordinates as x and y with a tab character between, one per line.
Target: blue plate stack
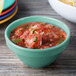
9	10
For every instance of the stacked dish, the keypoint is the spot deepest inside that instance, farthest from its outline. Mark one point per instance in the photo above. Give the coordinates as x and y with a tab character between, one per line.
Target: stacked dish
9	10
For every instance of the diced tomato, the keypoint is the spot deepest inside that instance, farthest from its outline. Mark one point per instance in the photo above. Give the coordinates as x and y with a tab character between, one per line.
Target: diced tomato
21	44
38	27
44	47
19	32
64	34
31	43
24	35
14	37
48	26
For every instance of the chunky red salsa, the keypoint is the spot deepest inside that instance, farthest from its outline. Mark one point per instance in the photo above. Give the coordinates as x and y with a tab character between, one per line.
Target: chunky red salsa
37	35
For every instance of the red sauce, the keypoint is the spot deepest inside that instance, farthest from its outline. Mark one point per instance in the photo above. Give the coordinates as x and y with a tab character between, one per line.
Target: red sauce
37	35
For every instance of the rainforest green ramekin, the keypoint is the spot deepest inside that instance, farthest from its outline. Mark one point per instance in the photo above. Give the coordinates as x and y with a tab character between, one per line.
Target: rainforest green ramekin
37	58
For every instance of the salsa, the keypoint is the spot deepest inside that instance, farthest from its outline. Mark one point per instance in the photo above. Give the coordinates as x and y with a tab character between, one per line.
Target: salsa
37	35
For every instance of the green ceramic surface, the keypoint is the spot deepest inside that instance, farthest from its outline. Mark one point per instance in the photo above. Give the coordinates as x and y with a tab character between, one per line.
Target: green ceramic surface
8	3
37	58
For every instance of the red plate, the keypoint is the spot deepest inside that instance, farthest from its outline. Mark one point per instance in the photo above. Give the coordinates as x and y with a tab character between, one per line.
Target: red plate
9	9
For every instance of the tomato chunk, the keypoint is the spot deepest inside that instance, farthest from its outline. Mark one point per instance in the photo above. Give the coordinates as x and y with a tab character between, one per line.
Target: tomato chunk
33	41
19	31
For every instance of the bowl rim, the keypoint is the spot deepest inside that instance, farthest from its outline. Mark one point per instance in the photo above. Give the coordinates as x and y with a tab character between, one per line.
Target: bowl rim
65	4
37	50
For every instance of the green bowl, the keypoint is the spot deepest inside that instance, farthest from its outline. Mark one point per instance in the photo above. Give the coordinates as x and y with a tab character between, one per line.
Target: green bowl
37	58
